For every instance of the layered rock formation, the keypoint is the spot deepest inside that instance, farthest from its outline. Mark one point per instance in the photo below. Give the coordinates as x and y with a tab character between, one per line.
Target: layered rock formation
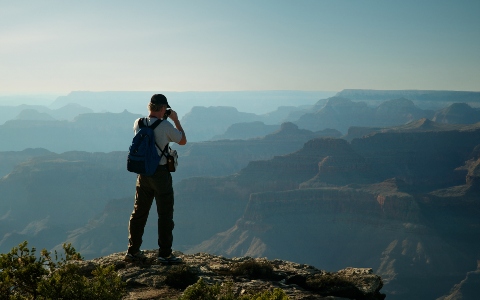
225	157
377	201
419	153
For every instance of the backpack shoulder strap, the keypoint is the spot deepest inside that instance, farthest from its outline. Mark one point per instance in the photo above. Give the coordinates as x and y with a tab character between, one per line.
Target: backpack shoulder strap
142	122
155	124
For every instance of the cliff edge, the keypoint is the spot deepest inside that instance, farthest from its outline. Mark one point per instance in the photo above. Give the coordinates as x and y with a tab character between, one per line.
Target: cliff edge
151	280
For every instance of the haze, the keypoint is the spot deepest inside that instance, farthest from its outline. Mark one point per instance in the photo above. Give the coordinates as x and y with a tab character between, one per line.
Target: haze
63	46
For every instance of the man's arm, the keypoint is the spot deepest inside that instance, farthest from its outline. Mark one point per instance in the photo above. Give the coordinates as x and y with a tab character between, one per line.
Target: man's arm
174	117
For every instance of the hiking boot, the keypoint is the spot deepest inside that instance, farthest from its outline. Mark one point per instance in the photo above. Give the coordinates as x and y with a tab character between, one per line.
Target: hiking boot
172	259
139	256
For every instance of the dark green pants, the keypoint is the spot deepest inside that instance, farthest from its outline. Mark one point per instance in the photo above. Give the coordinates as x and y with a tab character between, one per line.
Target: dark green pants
158	186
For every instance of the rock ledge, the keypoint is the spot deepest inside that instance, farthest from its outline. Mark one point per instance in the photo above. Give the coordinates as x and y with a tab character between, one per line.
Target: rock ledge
151	280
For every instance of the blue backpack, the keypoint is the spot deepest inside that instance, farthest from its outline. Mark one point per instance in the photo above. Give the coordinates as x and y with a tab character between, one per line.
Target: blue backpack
143	157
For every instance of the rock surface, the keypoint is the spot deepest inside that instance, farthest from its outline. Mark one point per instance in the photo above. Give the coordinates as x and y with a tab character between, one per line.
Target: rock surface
151	280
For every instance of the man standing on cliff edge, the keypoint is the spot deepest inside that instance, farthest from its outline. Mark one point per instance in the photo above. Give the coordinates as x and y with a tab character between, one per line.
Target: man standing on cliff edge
158	186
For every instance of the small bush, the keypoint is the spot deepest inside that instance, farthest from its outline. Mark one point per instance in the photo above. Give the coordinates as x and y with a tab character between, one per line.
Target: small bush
203	291
180	277
24	276
253	269
276	294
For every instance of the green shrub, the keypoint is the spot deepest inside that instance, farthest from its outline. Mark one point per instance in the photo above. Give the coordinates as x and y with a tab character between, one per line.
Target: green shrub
180	277
203	291
253	269
276	294
23	275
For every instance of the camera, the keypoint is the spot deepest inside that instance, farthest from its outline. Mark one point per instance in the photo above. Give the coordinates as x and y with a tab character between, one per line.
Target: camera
168	112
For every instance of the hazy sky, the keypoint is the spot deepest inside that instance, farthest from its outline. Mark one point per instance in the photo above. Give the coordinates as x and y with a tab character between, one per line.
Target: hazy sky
63	46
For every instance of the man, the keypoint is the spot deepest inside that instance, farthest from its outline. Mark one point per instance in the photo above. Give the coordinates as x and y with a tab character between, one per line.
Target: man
158	186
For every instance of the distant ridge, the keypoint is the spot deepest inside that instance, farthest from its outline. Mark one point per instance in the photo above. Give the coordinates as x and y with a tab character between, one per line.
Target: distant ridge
421	125
457	113
425	125
423	98
382	95
246	101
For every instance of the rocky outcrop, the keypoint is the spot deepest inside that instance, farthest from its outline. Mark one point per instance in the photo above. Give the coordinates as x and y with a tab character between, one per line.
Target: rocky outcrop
246	275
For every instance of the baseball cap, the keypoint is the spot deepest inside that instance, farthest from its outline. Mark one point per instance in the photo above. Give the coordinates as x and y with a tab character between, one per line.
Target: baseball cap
159	99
